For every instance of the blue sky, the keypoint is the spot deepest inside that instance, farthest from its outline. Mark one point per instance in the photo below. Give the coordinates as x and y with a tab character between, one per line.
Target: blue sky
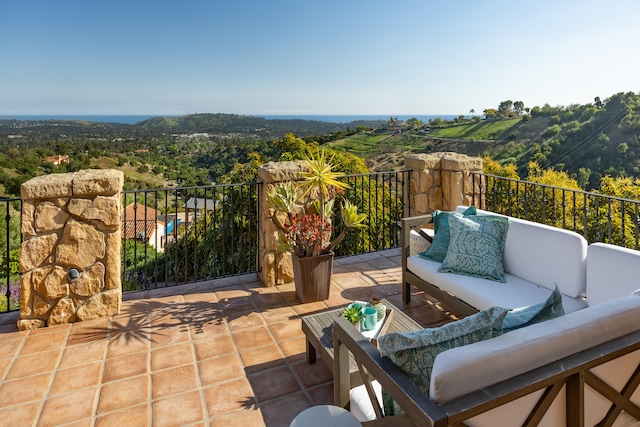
312	57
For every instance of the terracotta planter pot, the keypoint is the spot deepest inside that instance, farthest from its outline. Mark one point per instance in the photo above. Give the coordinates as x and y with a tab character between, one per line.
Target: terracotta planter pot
312	277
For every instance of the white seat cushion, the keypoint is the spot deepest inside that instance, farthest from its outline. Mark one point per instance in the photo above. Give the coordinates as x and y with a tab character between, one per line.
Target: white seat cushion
482	293
360	405
463	370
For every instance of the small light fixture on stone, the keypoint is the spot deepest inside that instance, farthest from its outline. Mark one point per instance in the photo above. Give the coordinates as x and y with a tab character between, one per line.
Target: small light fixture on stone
73	275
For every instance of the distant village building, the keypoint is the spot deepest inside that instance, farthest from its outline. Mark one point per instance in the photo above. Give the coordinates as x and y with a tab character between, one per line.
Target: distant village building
145	224
57	160
199	204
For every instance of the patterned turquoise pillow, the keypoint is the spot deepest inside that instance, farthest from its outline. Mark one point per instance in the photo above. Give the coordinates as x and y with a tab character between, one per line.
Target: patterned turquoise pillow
438	249
476	246
521	317
414	352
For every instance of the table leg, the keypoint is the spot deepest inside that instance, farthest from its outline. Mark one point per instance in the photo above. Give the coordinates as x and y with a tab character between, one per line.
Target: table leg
311	353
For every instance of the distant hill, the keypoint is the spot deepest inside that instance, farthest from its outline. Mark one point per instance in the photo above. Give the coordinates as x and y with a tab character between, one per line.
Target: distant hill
245	125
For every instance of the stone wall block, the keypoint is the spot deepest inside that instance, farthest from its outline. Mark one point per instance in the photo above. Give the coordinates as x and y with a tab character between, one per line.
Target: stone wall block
435	199
40	307
421	204
268	273
437	178
426	181
51	281
49	217
422	161
28	213
90	281
30	324
81	245
460	162
47	187
446	190
63	312
414	182
106	210
104	304
274	172
456	191
93	182
112	279
35	251
25	295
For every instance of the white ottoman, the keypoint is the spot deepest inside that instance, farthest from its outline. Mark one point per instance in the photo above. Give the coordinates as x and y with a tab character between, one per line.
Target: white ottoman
325	416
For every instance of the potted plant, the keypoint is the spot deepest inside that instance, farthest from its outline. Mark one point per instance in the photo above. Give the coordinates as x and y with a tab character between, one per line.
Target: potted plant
302	213
353	313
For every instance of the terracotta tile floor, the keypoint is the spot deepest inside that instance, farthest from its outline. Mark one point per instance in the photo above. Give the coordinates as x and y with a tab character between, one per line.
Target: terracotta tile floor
228	352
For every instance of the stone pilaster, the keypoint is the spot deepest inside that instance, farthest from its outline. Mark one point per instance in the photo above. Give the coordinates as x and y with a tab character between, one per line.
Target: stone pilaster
70	257
276	267
441	181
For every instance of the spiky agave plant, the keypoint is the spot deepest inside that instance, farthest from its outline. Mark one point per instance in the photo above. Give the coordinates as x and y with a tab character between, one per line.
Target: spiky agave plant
306	234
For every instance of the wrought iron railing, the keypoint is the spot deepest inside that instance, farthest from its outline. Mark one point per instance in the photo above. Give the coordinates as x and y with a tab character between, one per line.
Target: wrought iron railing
201	233
189	234
381	196
10	240
598	217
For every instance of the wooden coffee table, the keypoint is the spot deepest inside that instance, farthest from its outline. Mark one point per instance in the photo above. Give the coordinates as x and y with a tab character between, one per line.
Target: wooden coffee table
318	330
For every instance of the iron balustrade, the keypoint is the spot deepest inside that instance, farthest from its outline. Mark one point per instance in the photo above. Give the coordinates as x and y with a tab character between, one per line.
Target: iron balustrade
191	234
598	217
203	233
382	196
10	241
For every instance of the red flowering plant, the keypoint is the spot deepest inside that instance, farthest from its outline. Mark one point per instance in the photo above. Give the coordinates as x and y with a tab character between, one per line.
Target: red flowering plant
308	205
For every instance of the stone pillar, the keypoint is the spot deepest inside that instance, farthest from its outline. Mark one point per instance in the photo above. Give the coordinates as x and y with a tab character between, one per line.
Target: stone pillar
70	256
276	267
441	181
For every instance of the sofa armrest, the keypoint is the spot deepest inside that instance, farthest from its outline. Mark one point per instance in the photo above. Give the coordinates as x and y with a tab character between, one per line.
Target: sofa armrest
419	409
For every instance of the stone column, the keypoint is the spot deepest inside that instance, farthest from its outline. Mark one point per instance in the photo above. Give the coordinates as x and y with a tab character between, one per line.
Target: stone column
276	267
70	256
441	181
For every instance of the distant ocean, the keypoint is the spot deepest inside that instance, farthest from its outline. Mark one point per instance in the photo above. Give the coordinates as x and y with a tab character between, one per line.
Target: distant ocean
130	120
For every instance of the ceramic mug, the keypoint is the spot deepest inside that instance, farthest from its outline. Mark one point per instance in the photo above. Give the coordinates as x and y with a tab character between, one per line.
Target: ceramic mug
369	319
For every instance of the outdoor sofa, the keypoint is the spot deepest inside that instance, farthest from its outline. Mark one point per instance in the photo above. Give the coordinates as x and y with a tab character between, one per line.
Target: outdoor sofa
581	368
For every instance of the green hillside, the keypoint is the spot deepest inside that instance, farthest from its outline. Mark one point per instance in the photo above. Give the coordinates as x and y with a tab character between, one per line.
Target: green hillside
587	141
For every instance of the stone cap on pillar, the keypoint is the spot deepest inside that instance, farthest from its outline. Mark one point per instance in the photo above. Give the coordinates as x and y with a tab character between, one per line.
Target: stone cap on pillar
443	161
272	172
89	182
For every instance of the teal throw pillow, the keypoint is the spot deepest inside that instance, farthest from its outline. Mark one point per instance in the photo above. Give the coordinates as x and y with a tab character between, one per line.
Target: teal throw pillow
525	316
414	352
476	246
438	249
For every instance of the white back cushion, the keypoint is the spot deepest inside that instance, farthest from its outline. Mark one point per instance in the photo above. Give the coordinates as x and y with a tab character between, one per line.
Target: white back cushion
612	272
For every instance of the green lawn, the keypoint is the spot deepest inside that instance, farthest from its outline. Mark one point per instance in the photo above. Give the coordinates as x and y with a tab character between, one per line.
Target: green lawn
485	130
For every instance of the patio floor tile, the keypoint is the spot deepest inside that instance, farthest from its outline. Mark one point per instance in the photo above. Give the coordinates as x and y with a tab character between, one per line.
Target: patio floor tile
122	394
220	369
177	410
77	377
173	381
134	417
64	408
229	396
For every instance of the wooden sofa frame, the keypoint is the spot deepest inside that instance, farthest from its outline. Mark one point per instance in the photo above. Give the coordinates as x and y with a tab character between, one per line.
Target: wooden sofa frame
573	373
409	279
